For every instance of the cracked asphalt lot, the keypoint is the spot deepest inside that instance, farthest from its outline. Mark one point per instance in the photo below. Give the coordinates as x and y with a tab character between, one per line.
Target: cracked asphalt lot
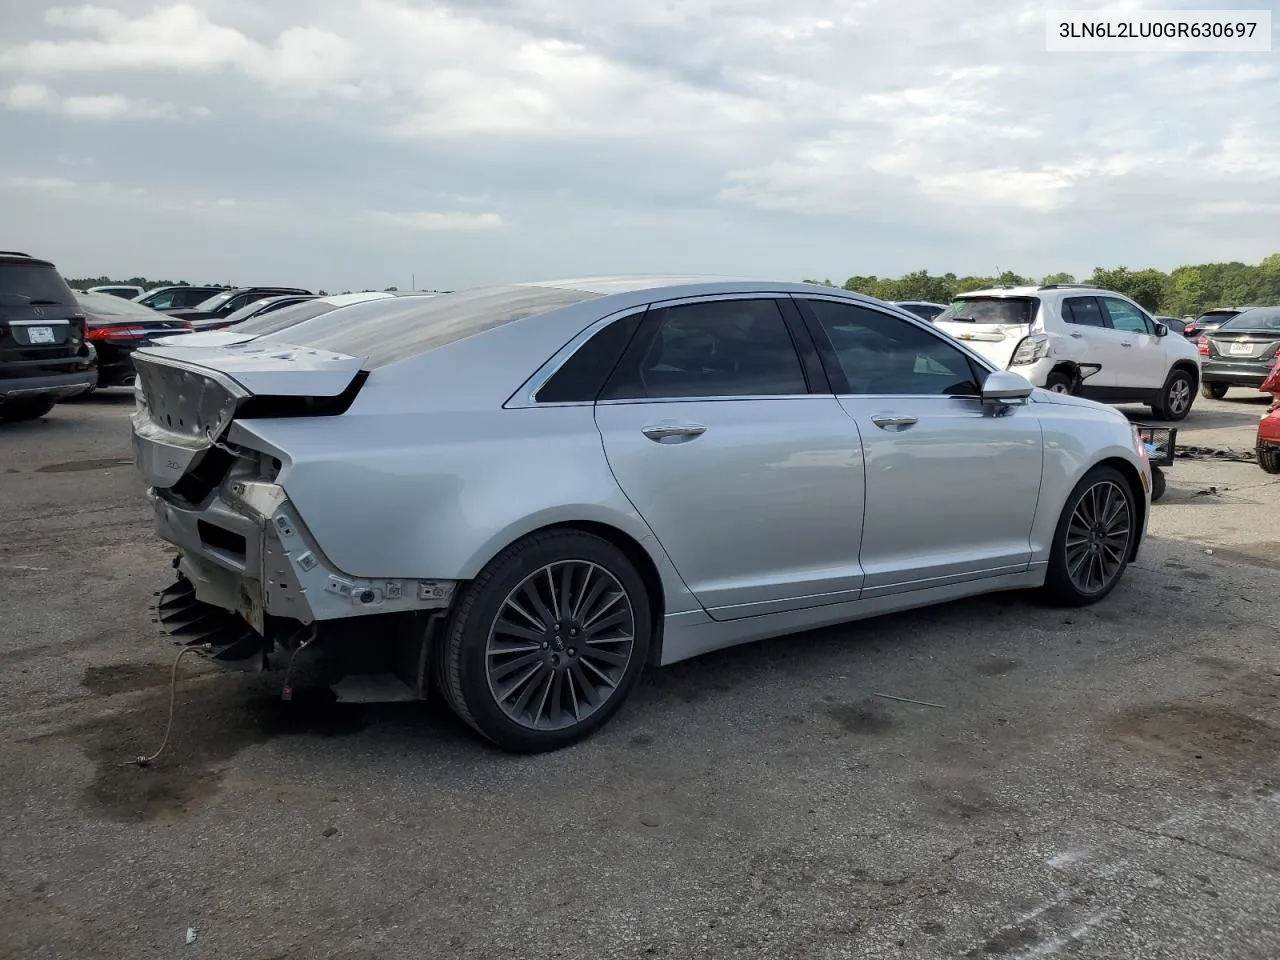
1093	783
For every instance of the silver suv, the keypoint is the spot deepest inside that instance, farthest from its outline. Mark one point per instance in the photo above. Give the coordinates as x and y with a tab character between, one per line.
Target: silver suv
1079	339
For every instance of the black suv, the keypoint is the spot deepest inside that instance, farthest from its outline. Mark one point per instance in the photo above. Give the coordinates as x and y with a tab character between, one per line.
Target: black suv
227	302
43	354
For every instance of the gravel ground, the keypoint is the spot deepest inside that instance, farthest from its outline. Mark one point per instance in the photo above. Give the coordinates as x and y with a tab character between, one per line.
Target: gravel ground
1096	783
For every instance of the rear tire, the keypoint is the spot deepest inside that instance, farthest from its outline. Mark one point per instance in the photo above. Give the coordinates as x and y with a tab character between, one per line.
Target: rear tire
1176	397
1213	391
1094	539
1269	459
25	409
1059	383
547	642
1157	483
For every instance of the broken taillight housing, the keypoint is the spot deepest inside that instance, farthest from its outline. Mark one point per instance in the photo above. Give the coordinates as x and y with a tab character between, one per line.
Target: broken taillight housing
1203	345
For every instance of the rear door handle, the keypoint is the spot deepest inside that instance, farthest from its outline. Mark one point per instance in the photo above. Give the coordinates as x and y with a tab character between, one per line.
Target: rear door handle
1126	343
668	432
894	423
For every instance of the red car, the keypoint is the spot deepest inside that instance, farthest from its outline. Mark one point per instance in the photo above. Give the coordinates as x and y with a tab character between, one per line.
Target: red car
1269	426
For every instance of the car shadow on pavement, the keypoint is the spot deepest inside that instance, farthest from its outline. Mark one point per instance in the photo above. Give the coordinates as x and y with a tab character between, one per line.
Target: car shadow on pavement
1223	414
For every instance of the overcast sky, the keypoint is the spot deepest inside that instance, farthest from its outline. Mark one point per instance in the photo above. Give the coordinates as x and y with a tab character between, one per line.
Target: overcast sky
354	143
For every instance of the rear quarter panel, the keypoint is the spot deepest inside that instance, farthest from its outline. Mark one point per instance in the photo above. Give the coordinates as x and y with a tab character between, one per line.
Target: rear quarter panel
437	495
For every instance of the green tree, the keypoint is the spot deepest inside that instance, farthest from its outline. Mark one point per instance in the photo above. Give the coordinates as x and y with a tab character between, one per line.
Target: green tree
1058	278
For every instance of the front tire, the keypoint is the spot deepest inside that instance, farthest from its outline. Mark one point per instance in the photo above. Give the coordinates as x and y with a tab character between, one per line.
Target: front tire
1213	391
547	642
1176	397
1094	539
25	409
1269	459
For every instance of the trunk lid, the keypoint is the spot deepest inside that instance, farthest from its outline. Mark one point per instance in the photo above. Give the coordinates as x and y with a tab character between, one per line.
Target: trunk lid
994	341
186	399
990	325
1253	345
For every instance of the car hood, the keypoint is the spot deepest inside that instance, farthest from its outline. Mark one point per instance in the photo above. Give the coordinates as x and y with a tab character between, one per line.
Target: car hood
994	341
1040	395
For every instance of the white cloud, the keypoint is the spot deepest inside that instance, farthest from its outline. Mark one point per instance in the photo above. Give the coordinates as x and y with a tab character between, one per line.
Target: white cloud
434	220
781	126
102	106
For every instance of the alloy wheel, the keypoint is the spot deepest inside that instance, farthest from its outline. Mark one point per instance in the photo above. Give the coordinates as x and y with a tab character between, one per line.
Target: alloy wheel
1098	537
1179	396
560	645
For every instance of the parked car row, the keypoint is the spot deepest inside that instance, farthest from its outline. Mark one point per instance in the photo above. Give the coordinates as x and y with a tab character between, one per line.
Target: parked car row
57	343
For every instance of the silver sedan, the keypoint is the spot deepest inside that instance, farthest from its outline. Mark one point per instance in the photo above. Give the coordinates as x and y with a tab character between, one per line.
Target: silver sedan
520	496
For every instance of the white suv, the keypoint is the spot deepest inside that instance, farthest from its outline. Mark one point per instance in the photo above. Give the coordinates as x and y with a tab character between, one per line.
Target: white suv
1075	338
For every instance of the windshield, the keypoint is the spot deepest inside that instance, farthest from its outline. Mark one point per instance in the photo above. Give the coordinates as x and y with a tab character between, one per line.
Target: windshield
384	331
1264	318
105	305
33	284
1217	316
284	317
249	310
997	310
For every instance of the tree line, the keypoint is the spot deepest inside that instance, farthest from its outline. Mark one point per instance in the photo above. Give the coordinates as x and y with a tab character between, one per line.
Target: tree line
1188	290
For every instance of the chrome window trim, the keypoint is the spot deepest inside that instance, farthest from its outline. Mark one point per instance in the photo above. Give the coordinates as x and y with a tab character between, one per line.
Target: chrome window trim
54	322
525	396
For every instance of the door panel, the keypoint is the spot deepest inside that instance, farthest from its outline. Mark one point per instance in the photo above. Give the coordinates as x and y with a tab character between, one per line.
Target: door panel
952	484
752	484
758	503
1142	361
951	493
1087	325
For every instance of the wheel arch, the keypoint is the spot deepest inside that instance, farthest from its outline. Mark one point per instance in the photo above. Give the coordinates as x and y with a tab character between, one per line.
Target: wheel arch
1071	370
1190	367
635	552
1134	479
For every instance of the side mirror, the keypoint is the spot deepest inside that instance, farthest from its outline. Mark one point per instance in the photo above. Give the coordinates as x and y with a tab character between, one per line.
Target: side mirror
1006	387
1161	330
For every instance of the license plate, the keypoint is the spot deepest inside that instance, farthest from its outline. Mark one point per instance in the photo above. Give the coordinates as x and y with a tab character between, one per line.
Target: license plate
40	334
1242	349
249	604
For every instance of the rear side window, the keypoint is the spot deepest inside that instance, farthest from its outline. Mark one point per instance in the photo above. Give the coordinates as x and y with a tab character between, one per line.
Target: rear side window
1083	312
581	378
400	327
995	310
716	348
33	284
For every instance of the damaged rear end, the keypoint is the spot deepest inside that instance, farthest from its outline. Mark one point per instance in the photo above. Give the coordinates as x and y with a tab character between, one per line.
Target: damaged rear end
254	587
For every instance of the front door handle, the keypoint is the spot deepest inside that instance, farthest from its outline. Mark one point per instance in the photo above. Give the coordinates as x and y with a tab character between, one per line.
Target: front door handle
1077	336
893	423
668	432
1126	343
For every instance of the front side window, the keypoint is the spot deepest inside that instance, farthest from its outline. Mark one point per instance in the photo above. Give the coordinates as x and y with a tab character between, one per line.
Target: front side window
717	348
1083	312
1125	316
883	355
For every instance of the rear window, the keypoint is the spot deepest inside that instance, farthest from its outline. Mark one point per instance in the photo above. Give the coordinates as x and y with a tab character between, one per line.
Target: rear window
384	331
997	310
1264	318
284	317
33	284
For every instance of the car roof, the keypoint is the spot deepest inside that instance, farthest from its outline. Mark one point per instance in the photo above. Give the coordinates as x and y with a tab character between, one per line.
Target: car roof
674	286
13	256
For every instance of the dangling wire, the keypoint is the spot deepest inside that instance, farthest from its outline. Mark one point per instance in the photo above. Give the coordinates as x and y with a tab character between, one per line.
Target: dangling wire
173	695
